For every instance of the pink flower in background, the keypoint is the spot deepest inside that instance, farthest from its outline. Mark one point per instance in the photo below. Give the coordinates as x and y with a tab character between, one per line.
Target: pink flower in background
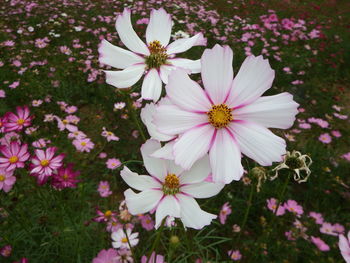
272	205
147	222
235	255
65	177
2	93
17	122
10	137
153	259
325	138
125	256
109	135
336	134
14	156
224	212
338	228
106	256
6	251
294	207
321	245
344	246
103	189
328	229
7	180
228	117
113	163
156	59
83	145
317	216
104	216
305	125
120	239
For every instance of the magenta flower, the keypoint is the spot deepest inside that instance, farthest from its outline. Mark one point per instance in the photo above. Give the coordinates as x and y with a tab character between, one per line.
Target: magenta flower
272	205
65	177
83	145
147	222
7	180
18	122
318	217
225	211
103	189
14	156
104	216
227	117
153	259
321	245
328	229
6	251
106	256
113	163
344	246
44	163
292	206
325	138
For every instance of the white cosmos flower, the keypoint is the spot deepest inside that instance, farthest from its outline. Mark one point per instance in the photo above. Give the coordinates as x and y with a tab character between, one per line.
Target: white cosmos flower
156	58
120	240
226	118
169	189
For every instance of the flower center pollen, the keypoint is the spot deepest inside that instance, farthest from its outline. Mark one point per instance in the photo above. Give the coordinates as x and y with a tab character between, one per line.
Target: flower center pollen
220	116
20	121
44	162
2	178
108	214
13	159
124	240
171	184
158	55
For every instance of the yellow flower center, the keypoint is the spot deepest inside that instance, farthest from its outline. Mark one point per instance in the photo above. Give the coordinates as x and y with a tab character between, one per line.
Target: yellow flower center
20	121
108	213
158	55
2	177
124	240
220	116
83	143
13	159
65	122
44	162
65	177
171	184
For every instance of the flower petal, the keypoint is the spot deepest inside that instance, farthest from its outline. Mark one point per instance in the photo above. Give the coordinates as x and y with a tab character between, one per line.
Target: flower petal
168	206
154	166
198	172
203	189
151	86
159	27
192	215
171	120
164	72
186	93
125	78
142	202
166	152
258	143
276	111
194	66
184	44
138	182
127	34
192	145
117	57
253	79
217	72
225	158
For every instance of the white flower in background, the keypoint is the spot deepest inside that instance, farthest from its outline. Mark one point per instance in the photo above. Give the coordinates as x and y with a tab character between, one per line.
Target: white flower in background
120	240
169	189
156	58
226	118
344	246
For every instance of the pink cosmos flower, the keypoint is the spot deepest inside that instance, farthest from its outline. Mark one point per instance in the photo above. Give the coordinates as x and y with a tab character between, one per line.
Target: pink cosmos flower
17	122
7	180
292	206
147	222
113	163
305	125
125	256
156	59
106	256
344	246
336	134
14	156
104	216
317	216
103	189
170	190
228	116
272	205
10	137
44	163
83	145
234	255
6	251
321	245
224	212
153	259
109	135
346	156
328	229
120	239
325	138
65	177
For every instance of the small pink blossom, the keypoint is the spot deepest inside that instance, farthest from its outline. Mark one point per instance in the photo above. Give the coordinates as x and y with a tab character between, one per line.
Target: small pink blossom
153	259
305	125
65	177
106	256
14	156
109	135
225	211
336	134
17	122
321	245
83	145
6	251
328	229
147	222
325	138
104	189
7	180
113	163
346	156
272	205
317	216
234	254
294	207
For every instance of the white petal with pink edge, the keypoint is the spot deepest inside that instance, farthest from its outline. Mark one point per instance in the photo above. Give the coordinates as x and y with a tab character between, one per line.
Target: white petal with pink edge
193	66
258	142
184	44
166	152
125	78
203	189
217	72
276	111
192	145
117	57
154	166
192	215
199	171
159	27
142	202
127	34
151	86
225	158
168	206
139	182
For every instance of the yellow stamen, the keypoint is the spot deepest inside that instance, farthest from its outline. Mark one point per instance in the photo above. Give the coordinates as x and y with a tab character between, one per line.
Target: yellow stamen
220	116
65	177
171	184
124	240
20	121
108	213
13	159
44	162
83	143
158	55
2	178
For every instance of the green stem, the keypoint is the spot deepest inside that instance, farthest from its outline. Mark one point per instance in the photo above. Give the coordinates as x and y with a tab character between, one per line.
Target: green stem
156	241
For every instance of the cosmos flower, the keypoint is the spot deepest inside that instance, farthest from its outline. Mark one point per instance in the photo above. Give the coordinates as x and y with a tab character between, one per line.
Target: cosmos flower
106	256
344	246
120	239
321	245
225	212
170	190
65	177
7	180
14	155
17	122
228	116
156	58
